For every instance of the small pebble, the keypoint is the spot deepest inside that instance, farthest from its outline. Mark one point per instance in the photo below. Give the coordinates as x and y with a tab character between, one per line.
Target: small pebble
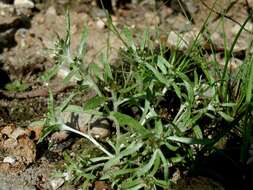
67	176
18	132
100	129
56	183
24	3
100	24
176	41
9	159
100	132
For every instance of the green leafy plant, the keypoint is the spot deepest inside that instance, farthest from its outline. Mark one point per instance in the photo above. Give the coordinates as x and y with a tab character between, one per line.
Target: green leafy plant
17	86
165	106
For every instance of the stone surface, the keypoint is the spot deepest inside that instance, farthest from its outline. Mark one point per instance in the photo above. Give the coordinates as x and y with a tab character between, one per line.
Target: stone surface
100	24
9	159
24	3
6	9
176	40
100	129
76	120
184	40
56	183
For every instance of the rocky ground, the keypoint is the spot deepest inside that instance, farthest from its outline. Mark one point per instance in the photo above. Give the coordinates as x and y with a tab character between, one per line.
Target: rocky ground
28	31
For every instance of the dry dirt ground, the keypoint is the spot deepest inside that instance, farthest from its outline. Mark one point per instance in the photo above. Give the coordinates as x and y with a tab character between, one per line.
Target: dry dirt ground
28	34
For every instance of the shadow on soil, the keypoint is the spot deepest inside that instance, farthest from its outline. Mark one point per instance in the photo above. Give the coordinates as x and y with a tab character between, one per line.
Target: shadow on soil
224	167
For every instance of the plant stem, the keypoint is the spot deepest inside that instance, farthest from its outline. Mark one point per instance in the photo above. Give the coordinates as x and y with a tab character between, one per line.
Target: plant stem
90	138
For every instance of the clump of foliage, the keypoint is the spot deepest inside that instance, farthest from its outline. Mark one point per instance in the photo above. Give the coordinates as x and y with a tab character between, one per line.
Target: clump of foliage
166	107
16	86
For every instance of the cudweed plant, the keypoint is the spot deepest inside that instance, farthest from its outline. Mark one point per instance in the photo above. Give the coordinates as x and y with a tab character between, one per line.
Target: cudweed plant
158	104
